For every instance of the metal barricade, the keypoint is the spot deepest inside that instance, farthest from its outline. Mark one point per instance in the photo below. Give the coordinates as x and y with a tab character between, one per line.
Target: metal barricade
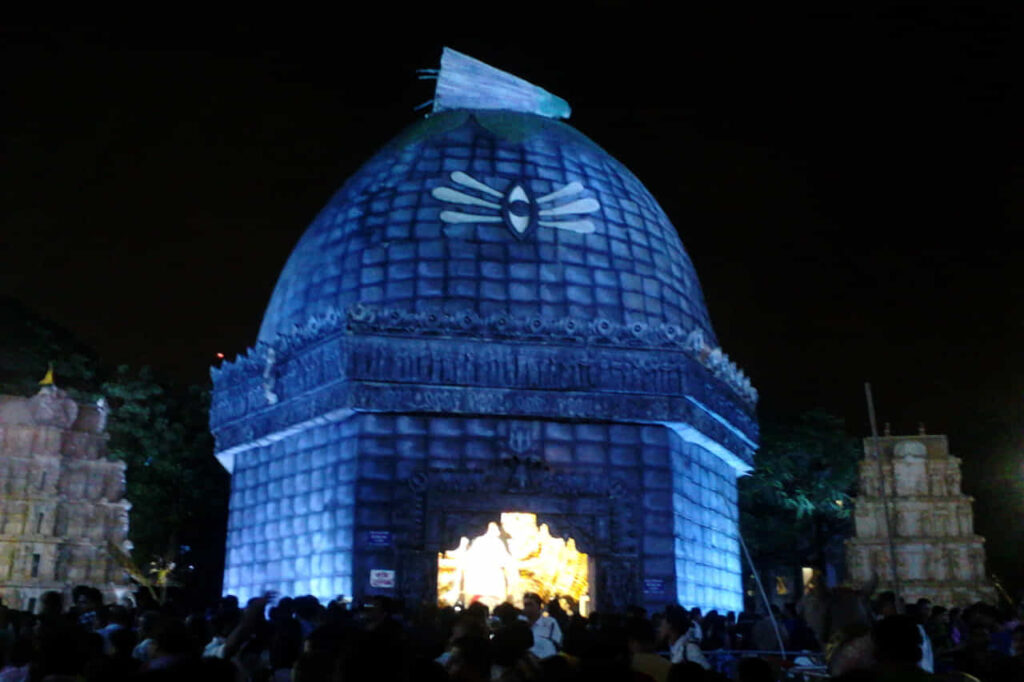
800	666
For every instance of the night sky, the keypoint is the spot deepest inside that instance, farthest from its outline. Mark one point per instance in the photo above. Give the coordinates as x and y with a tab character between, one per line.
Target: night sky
849	185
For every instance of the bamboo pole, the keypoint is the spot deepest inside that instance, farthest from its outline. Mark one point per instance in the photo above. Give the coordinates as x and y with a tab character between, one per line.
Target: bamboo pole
885	496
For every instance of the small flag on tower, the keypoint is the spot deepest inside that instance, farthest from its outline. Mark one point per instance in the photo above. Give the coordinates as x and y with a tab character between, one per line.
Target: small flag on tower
48	379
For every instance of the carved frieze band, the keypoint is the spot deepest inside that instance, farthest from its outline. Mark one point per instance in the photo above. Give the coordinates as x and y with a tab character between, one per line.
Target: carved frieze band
567	332
436	375
378	396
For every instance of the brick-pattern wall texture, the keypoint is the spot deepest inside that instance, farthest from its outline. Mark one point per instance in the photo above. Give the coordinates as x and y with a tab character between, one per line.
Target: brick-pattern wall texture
291	515
518	229
61	499
380	241
706	528
303	507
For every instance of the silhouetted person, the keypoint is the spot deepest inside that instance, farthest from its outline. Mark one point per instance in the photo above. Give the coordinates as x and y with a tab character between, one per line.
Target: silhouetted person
687	671
675	629
640	639
470	660
977	657
755	670
897	641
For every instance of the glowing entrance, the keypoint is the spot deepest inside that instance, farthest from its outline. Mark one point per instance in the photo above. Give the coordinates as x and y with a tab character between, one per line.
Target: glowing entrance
512	557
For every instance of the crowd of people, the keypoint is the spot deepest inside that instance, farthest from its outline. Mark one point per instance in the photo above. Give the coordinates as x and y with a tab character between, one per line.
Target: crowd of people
301	639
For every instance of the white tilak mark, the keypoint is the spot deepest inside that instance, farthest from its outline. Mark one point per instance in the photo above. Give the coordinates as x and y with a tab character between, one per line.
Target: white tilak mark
471	182
516	194
587	205
456	217
457	197
579	226
571	188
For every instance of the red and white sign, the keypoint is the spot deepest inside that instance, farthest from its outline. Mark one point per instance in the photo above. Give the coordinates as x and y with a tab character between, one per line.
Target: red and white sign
380	577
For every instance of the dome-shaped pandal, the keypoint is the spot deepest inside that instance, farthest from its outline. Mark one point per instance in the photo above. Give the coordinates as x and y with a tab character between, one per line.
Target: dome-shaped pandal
492	212
491	314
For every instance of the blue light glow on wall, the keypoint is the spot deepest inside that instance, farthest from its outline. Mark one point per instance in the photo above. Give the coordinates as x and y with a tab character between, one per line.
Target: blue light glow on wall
383	239
290	528
491	315
706	518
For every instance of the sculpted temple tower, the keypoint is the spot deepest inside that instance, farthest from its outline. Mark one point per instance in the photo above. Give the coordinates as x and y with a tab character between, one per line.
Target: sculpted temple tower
491	331
938	556
61	499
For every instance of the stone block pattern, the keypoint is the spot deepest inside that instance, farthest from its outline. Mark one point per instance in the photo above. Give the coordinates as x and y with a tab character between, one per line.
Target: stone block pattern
61	500
304	509
496	299
538	466
291	515
938	555
706	518
380	240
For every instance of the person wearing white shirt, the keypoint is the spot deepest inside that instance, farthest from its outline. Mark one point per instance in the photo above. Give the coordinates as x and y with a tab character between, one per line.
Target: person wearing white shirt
675	631
547	636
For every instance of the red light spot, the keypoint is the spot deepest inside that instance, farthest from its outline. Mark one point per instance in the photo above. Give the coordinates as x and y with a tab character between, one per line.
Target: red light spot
220	356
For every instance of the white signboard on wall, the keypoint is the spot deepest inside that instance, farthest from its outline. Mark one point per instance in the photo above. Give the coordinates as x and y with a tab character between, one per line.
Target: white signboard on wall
380	577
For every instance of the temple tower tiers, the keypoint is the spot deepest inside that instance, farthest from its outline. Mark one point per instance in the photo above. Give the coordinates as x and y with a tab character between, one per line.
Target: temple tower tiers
938	555
492	318
61	499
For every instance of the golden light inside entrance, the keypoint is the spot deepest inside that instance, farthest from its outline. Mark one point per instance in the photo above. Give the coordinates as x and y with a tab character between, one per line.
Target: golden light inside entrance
512	557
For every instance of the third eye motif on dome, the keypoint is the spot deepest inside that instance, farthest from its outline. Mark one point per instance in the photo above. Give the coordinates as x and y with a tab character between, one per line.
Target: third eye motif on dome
475	201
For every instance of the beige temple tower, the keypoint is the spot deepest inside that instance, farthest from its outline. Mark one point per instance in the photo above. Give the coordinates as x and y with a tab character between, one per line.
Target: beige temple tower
938	555
61	499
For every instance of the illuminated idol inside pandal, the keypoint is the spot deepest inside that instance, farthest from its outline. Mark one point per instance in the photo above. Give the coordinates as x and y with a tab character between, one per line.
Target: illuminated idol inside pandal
487	368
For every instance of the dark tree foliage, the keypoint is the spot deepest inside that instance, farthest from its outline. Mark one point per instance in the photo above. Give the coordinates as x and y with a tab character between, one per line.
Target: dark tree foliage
29	343
178	491
797	502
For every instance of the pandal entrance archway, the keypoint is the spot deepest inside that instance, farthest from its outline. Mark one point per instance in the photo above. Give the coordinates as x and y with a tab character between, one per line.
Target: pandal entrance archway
513	556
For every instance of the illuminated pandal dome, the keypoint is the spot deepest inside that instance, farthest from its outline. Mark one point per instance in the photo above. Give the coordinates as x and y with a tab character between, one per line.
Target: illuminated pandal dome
491	321
494	213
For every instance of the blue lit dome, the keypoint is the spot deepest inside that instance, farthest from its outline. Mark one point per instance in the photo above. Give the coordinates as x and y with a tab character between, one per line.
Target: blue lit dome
497	213
492	314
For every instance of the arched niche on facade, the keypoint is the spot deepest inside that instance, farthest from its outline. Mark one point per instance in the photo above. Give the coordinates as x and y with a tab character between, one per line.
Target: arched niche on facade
598	513
517	553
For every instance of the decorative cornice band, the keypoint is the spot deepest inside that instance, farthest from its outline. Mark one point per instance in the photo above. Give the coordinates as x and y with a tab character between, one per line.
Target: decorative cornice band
395	361
385	397
570	332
